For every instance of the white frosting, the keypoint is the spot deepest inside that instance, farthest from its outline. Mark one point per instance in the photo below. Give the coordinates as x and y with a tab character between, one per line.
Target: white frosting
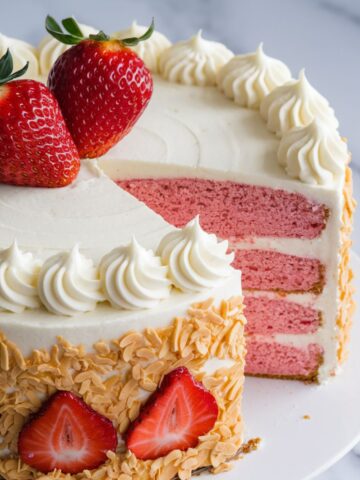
133	277
50	49
249	78
33	330
194	62
195	258
21	52
314	154
69	284
18	280
295	104
149	50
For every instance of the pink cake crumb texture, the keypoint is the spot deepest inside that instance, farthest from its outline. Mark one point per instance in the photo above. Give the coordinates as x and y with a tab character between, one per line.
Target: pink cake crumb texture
229	209
270	270
276	360
266	316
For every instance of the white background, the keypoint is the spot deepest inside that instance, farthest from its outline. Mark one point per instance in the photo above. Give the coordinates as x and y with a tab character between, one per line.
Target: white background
322	35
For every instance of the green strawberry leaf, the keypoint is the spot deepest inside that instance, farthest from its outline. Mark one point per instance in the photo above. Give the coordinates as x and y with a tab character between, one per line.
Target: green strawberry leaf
6	69
133	41
100	36
56	31
70	24
6	64
51	24
73	34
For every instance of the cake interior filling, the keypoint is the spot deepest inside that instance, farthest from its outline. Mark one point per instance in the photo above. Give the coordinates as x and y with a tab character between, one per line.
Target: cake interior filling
242	213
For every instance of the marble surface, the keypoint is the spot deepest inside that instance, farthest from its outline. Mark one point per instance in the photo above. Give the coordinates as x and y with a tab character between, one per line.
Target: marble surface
323	35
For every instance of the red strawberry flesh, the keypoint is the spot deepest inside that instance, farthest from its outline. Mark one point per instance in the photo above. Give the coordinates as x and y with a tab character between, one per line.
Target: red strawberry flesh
68	435
36	147
174	417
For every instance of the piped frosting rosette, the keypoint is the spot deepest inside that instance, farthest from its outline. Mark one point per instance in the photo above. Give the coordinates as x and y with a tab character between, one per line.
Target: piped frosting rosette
21	53
194	62
315	154
148	51
295	104
69	284
249	78
18	280
133	277
196	259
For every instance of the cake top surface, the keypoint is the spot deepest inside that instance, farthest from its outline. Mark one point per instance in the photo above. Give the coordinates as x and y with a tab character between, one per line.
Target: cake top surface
192	131
93	211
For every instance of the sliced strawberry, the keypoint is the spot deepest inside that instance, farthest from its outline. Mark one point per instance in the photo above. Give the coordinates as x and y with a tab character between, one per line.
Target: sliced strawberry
66	434
174	417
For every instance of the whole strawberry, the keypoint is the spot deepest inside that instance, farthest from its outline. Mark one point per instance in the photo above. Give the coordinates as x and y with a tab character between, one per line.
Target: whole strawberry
101	85
36	147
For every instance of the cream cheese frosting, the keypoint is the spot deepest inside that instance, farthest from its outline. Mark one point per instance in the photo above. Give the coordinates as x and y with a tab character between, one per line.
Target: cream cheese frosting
196	259
249	78
18	280
133	277
69	284
50	49
150	50
194	62
21	52
315	154
33	330
295	104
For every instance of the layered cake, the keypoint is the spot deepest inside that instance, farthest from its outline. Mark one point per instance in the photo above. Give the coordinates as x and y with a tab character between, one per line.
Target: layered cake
119	305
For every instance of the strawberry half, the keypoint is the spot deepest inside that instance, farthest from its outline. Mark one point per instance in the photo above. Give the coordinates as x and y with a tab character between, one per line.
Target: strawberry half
101	85
174	417
36	147
66	434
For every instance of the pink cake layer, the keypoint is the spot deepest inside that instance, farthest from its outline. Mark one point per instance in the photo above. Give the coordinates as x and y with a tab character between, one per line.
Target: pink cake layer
270	270
267	316
277	360
229	209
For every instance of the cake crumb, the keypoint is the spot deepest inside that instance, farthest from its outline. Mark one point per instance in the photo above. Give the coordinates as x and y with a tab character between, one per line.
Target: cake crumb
306	417
250	446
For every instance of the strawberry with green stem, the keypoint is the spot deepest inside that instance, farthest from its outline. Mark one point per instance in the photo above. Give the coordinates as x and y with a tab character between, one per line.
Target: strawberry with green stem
36	147
102	86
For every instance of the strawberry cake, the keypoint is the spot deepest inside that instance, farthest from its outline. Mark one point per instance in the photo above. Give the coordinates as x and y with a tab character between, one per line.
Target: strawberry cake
121	325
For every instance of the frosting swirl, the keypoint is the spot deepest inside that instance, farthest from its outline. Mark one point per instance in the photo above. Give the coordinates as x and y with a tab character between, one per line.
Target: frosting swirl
69	284
194	62
18	280
295	104
21	52
133	277
195	258
315	154
150	50
249	78
50	49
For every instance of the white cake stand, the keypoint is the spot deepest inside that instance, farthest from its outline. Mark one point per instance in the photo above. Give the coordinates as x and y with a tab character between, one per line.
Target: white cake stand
294	448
